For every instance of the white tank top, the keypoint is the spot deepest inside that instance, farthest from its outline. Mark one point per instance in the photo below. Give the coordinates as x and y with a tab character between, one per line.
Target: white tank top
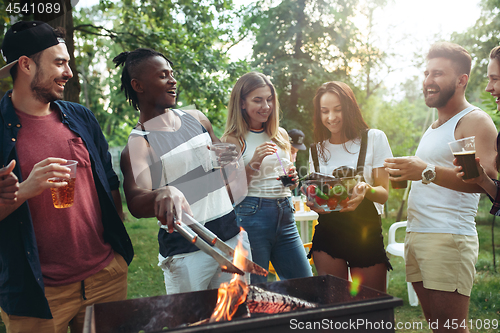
433	208
264	183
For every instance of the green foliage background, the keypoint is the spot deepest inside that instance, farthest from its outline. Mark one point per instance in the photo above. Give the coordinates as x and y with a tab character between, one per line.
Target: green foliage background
300	44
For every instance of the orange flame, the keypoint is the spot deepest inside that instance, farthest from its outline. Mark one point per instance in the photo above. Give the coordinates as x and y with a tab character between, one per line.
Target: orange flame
231	295
239	254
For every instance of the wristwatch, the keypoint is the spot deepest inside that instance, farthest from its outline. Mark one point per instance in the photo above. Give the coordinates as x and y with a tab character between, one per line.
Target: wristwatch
429	174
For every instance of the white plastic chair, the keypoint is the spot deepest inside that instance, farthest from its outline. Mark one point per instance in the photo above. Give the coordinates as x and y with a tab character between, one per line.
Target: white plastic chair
398	249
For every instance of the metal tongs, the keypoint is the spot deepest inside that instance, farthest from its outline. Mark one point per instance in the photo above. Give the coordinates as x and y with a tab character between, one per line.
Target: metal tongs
218	251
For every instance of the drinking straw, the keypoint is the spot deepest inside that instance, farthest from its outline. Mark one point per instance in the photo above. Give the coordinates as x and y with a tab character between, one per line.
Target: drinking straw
279	159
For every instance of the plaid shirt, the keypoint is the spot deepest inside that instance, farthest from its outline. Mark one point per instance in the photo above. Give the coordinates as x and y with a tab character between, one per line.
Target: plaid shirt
495	210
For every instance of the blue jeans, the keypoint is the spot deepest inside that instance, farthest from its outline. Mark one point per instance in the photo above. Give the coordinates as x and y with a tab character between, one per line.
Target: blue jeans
273	237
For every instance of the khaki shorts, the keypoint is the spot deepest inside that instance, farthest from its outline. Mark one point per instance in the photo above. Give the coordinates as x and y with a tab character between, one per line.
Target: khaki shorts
444	262
67	304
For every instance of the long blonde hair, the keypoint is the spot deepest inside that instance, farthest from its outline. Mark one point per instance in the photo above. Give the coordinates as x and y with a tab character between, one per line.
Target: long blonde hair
237	124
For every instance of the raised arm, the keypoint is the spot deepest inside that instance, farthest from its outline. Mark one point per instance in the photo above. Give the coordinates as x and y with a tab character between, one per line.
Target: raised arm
476	123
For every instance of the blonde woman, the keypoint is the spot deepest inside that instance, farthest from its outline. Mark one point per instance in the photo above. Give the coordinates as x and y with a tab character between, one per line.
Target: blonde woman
266	213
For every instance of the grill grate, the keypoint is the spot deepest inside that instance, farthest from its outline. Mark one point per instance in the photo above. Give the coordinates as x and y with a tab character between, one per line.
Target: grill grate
336	305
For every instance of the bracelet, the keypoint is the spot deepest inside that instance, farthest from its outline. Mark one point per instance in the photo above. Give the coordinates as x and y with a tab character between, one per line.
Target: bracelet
252	168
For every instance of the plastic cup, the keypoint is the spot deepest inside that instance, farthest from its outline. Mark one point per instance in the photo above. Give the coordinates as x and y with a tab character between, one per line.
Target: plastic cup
464	151
298	205
222	154
282	172
63	197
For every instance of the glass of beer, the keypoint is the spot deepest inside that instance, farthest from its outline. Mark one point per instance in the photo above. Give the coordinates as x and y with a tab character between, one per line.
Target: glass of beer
398	184
464	151
63	197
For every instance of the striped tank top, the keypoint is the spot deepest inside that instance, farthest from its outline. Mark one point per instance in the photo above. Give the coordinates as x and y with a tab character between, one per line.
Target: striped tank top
181	159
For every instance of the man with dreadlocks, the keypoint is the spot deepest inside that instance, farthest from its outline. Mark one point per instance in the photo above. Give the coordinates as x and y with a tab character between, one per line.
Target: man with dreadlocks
167	170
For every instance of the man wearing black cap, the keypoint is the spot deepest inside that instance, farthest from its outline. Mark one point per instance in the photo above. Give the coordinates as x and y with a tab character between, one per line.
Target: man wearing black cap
54	262
297	141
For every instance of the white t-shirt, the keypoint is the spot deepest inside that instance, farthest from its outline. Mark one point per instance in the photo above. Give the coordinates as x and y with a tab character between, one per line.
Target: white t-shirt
377	151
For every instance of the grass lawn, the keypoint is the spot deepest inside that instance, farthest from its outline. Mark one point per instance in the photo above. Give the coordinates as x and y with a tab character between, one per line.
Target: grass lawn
146	278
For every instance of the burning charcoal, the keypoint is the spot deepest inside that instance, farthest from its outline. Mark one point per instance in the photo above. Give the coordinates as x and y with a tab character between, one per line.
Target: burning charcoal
263	301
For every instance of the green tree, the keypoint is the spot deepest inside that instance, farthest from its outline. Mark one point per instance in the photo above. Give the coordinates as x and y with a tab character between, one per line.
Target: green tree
301	44
479	40
374	62
402	121
64	20
5	21
195	35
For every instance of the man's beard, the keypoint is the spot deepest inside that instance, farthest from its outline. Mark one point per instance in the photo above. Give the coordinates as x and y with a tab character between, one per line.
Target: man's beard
42	92
445	95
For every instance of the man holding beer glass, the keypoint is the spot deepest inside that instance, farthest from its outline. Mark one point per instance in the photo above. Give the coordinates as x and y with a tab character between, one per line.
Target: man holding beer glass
490	185
441	244
55	261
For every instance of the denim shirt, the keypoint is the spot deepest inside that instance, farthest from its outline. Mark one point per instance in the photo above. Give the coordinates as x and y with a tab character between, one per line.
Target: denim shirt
21	281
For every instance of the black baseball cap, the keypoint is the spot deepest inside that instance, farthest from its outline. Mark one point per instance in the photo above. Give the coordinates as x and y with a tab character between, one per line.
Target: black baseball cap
297	138
26	38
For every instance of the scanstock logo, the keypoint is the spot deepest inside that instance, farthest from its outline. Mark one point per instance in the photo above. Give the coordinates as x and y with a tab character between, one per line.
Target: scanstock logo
39	10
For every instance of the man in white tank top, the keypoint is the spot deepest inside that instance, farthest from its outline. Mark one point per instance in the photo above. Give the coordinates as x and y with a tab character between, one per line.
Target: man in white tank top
441	244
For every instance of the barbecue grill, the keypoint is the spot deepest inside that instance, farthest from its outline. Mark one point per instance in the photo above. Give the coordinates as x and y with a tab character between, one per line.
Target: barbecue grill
339	309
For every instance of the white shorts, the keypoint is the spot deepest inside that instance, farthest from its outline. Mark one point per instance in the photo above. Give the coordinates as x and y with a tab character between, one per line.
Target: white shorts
197	270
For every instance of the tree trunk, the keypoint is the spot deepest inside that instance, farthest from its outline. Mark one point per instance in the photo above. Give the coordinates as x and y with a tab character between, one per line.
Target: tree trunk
296	79
72	88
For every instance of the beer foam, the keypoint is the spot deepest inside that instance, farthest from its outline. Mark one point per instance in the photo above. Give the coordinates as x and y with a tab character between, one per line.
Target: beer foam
470	152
